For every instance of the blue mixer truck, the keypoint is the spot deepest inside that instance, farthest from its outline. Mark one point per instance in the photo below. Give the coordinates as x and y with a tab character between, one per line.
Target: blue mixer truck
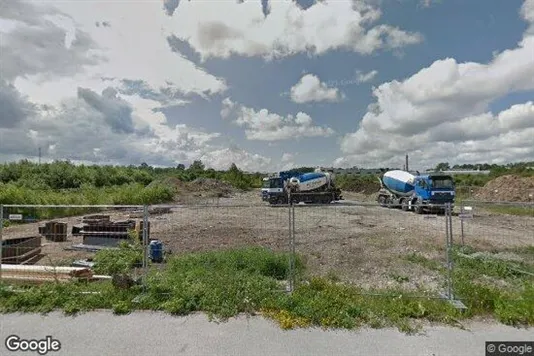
418	193
313	188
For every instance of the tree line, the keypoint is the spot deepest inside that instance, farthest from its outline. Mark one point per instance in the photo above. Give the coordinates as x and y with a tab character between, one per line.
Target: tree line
64	175
61	175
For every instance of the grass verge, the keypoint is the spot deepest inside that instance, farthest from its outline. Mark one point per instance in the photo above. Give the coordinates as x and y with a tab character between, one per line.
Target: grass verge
491	286
226	283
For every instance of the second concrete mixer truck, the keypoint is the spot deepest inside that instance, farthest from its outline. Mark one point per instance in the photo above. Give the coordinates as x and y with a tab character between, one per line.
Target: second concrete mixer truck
416	192
313	188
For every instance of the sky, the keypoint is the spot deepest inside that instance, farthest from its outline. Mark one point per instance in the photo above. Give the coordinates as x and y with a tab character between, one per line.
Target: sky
268	85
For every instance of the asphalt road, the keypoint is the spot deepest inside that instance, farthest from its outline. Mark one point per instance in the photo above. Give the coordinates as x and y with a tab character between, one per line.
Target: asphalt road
146	333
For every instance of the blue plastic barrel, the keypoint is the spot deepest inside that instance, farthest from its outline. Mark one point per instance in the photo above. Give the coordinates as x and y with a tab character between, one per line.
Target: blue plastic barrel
156	251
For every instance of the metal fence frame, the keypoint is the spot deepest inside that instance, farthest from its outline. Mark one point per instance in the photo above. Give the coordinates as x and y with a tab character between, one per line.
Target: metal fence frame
67	206
448	295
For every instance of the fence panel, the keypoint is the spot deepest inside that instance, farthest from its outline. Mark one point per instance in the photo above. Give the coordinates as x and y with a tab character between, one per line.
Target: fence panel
189	229
376	248
493	246
467	192
184	229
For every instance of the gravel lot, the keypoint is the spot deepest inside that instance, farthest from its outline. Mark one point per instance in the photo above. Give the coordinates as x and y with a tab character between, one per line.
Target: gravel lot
363	244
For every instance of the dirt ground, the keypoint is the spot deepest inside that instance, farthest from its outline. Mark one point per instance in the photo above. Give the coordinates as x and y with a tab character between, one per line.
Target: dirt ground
362	244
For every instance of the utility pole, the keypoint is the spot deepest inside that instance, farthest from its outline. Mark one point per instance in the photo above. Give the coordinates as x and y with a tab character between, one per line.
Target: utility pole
39	155
407	169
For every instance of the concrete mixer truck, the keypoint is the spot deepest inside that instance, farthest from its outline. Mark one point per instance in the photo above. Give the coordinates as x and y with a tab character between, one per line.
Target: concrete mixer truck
313	188
418	193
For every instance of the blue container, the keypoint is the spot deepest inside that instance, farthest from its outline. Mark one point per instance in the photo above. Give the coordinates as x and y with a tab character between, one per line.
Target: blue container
156	251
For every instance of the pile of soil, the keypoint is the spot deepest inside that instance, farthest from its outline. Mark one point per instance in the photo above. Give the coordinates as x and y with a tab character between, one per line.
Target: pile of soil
200	187
211	186
508	188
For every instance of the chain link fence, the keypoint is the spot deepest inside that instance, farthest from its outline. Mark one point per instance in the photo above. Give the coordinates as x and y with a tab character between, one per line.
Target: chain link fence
375	248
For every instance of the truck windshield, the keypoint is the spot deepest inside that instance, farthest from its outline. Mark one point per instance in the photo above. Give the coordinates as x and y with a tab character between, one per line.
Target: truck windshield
272	183
445	183
276	183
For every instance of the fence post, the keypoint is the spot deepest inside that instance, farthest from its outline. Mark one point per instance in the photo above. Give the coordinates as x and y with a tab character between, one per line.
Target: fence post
145	243
451	239
292	247
449	247
462	211
450	265
1	237
449	250
291	226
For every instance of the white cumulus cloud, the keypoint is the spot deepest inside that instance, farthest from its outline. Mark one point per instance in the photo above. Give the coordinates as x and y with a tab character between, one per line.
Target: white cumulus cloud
263	125
310	88
527	12
286	30
88	84
442	112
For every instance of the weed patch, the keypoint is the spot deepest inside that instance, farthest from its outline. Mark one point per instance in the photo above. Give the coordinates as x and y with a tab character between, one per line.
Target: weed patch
424	262
118	261
511	210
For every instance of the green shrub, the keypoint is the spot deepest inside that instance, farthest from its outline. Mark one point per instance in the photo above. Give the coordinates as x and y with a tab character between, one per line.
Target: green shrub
118	261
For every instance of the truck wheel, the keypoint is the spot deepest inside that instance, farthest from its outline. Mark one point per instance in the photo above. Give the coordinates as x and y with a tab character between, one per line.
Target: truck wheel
382	201
418	209
389	203
404	205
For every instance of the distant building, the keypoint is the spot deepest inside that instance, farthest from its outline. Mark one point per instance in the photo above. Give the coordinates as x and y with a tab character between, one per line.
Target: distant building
466	171
358	171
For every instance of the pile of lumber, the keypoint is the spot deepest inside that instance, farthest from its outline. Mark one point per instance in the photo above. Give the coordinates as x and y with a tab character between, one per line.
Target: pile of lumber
54	231
21	250
39	274
101	230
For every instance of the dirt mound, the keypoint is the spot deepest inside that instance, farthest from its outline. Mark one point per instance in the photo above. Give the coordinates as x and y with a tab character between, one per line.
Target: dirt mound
508	188
200	187
211	186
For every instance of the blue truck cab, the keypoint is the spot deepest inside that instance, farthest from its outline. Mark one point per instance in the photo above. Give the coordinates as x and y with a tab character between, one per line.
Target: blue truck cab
273	188
433	189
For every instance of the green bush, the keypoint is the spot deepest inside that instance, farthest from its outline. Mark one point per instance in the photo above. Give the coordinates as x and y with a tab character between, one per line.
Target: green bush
62	183
367	183
118	261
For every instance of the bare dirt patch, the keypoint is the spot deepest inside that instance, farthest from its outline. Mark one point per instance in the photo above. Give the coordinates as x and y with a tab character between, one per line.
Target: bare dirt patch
205	189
